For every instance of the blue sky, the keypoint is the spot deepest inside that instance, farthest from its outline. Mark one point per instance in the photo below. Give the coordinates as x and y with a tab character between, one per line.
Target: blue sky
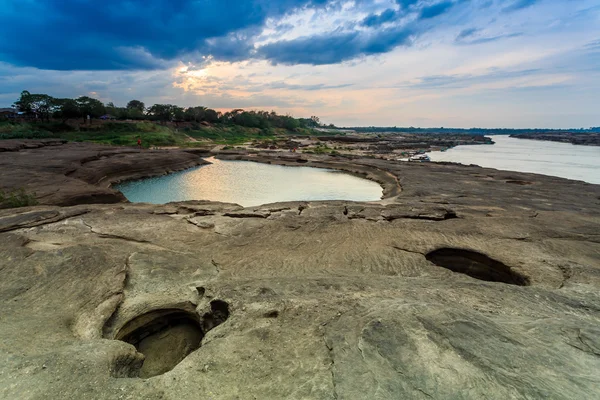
452	63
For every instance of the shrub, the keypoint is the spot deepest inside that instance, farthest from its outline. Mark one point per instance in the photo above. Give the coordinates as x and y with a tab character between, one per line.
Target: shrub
17	198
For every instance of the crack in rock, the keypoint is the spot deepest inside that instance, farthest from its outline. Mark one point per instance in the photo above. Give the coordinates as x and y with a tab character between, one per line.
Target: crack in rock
248	214
426	216
36	218
567	273
331	366
407	250
112	236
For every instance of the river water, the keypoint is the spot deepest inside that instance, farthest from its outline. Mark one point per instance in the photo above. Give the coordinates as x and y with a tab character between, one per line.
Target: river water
250	184
541	157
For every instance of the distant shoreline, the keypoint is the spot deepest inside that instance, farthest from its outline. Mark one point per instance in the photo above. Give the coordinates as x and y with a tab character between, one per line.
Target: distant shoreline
583	139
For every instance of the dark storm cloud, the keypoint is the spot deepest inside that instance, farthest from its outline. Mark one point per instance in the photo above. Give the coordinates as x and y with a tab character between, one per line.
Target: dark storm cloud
335	48
111	34
72	35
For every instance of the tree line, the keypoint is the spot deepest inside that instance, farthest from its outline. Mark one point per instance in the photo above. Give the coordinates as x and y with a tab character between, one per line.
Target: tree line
469	131
45	107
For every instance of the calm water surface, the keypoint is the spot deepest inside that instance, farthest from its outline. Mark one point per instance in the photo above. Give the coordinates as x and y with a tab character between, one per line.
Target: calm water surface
541	157
251	184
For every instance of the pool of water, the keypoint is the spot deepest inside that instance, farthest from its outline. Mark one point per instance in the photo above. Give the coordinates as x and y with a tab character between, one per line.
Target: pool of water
251	184
541	157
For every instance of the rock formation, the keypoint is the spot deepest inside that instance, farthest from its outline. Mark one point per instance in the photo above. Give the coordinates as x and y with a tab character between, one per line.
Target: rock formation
67	174
467	283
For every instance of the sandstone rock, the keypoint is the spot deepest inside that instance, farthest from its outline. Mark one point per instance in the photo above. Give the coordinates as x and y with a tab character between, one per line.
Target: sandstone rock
321	300
60	173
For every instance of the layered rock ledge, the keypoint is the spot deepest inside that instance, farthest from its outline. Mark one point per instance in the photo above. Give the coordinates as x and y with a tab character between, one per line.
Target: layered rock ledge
468	283
60	173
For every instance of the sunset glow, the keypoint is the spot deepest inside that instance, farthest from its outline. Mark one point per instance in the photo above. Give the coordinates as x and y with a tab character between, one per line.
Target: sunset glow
500	63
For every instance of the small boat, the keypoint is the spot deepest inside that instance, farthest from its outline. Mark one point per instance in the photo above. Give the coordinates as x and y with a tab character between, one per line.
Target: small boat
420	158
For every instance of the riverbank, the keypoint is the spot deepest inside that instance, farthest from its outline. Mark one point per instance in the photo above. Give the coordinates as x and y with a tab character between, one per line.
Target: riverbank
302	299
581	139
62	173
58	173
297	299
534	156
228	135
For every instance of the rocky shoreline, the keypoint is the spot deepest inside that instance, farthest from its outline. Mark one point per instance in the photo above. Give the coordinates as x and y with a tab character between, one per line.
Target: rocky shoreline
463	282
584	139
64	174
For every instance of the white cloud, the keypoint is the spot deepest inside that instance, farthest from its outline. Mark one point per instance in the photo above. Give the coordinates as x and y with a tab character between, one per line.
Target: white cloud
549	75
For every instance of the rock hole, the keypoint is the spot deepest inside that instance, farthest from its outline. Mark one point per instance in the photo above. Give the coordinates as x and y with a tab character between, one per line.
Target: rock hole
267	292
219	312
272	314
450	214
165	337
201	291
476	265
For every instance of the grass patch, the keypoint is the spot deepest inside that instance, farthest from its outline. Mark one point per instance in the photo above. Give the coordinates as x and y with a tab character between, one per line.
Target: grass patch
12	130
323	149
230	134
152	134
119	134
17	198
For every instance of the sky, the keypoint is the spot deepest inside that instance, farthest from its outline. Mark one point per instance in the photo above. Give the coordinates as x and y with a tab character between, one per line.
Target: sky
427	63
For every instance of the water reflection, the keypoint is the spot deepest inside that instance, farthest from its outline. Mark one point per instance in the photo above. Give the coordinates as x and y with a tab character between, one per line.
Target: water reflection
251	184
541	157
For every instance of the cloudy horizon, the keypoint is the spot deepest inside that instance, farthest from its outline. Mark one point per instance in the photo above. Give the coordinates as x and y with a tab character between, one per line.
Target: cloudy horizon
428	63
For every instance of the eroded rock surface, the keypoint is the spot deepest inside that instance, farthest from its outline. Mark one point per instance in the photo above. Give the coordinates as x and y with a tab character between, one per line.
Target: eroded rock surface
460	286
65	174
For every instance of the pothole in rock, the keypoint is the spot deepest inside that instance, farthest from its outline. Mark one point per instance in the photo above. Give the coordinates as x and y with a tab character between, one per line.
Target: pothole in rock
476	265
165	337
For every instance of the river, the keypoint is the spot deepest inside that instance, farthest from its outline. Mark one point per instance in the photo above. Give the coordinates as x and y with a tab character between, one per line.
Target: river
541	157
250	184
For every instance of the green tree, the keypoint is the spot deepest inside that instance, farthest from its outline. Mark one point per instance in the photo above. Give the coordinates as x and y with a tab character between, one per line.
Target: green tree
289	123
120	112
136	105
41	105
163	112
178	113
211	115
66	109
195	114
111	109
44	105
89	106
24	104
